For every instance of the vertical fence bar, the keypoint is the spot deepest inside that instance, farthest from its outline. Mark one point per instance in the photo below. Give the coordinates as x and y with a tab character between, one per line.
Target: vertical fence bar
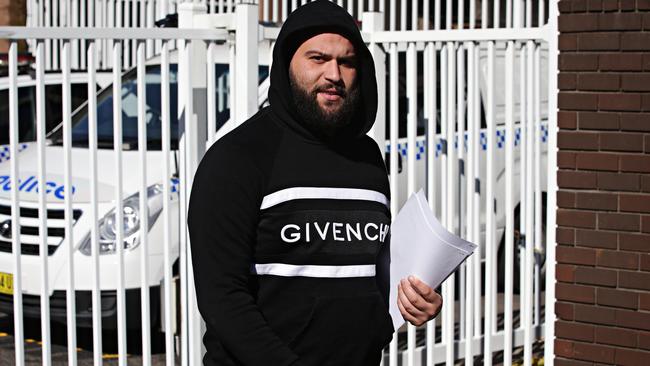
111	17
119	214
523	179
74	22
149	23
537	116
444	163
392	23
394	168
46	22
402	19
509	209
414	15
15	207
69	218
144	209
55	14
469	194
211	90
448	14
167	250
411	131
477	199
94	217
549	315
452	162
460	137
489	208
42	207
528	284
430	76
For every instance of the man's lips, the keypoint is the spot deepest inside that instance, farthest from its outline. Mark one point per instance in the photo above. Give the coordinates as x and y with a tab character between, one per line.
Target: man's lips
331	94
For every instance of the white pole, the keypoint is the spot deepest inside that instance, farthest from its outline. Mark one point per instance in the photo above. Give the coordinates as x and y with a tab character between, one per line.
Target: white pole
394	151
246	55
411	131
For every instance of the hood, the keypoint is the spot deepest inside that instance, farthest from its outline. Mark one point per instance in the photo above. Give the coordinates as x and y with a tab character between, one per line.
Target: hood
321	16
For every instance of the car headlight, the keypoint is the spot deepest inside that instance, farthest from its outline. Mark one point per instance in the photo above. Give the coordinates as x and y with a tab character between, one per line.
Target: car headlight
107	226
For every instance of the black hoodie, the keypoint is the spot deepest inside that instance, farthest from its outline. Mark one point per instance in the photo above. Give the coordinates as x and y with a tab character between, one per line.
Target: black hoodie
286	229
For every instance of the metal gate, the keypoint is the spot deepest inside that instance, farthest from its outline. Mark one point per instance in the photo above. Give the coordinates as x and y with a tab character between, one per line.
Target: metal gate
475	99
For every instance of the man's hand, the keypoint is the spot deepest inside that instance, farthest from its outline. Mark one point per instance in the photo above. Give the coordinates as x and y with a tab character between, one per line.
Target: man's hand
417	302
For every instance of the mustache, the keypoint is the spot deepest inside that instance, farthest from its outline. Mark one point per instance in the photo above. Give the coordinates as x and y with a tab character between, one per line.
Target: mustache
339	89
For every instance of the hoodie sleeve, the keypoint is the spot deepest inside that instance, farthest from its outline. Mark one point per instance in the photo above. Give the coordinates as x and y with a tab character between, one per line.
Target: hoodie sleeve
222	221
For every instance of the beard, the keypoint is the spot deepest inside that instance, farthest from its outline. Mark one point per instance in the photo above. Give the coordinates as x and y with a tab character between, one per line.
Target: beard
323	123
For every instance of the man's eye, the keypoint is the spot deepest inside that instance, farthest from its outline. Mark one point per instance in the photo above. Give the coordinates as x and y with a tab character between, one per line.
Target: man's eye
317	58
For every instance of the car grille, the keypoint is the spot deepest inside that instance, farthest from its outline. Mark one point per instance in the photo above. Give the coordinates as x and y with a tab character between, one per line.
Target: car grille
29	229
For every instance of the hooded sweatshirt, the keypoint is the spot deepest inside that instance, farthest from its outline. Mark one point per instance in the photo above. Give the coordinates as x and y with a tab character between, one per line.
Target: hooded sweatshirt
287	229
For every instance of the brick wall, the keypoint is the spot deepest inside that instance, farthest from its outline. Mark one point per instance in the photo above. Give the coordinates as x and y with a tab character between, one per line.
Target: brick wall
12	12
603	256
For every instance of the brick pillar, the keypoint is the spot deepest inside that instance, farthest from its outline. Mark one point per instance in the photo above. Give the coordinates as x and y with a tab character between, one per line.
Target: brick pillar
12	12
603	254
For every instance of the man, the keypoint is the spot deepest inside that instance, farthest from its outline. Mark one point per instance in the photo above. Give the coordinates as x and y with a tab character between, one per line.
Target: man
289	213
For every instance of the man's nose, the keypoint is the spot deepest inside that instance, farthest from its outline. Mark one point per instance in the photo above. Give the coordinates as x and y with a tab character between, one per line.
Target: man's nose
332	72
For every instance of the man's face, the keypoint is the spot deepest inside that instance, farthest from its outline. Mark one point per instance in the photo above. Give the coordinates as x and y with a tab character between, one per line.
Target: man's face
323	77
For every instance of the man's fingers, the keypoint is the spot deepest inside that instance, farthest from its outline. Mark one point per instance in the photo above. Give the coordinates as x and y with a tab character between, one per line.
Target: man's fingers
422	288
414	297
407	303
405	314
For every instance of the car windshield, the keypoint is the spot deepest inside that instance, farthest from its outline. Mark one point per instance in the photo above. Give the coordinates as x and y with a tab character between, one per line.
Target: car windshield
153	109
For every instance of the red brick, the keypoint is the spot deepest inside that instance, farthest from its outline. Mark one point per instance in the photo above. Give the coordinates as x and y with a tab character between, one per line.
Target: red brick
617	298
643	4
593	352
635	122
619	21
577	140
646	62
620	61
566	160
597	201
565	362
578	6
564	6
635	203
616	259
633	41
616	336
596	276
597	239
567	120
598	81
579	62
610	5
597	161
563	348
594	5
645	183
635	82
645	102
617	221
645	259
570	255
575	293
647	144
564	310
575	218
620	141
646	21
634	242
578	101
618	102
598	121
618	182
564	273
633	319
568	42
631	357
574	331
644	340
626	4
564	235
566	199
568	179
635	163
635	280
566	81
595	314
645	224
577	22
644	304
606	41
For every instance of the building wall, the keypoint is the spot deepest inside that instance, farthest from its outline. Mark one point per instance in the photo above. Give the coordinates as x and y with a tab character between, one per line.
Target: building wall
603	253
12	12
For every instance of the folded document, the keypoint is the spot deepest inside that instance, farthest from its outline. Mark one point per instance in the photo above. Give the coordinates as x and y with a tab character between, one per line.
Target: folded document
422	247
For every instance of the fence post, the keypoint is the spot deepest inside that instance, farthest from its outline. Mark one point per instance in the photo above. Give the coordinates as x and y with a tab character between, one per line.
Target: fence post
372	22
246	59
192	86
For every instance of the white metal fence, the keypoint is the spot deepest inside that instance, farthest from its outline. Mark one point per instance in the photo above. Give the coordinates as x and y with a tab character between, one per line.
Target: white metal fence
477	105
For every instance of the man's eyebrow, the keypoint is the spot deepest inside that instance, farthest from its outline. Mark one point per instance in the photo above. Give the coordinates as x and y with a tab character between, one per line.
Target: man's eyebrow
320	53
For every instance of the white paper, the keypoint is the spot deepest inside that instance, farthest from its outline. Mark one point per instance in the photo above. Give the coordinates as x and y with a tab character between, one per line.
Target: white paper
421	246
